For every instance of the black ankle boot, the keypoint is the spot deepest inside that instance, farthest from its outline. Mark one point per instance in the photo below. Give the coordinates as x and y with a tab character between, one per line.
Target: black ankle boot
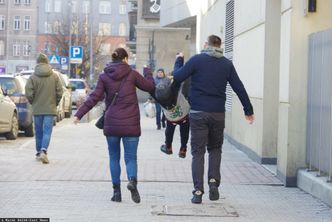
116	193
132	187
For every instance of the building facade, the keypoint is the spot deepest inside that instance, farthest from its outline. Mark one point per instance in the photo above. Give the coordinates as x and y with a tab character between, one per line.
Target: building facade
18	35
268	42
154	41
104	22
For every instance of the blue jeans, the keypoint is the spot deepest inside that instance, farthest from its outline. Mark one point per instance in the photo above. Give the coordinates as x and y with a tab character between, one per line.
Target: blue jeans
130	155
160	117
158	114
43	131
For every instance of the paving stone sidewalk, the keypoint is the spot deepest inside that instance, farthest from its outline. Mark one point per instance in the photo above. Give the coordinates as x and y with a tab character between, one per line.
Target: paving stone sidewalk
76	185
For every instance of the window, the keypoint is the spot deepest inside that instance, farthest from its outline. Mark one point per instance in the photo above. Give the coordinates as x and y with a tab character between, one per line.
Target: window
105	7
48	6
104	29
122	29
48	28
16	48
73	6
27	2
17	23
57	6
2	22
86	7
123	9
26	48
74	27
27	23
105	49
229	40
17	2
2	48
57	27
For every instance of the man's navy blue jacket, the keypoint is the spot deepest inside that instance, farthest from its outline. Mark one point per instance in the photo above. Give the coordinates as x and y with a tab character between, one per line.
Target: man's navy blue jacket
209	77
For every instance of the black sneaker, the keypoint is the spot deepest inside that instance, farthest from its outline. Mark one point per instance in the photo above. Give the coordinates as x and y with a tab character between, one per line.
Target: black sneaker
132	187
214	191
197	198
166	149
116	193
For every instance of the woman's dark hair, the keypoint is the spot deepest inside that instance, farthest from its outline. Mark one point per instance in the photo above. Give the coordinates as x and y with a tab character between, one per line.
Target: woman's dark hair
119	54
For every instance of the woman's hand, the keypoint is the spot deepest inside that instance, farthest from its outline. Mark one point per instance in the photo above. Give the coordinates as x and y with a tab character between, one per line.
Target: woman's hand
76	120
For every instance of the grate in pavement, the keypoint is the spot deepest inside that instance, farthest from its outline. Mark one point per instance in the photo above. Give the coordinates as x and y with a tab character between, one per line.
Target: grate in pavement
202	210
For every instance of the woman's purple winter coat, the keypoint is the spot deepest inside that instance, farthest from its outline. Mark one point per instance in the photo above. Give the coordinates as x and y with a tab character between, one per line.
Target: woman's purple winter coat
123	117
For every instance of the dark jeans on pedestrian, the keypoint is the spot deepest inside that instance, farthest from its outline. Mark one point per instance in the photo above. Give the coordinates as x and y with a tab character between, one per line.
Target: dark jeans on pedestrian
160	118
207	132
184	133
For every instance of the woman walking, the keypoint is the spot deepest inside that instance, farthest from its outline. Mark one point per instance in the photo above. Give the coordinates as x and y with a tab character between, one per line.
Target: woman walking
122	117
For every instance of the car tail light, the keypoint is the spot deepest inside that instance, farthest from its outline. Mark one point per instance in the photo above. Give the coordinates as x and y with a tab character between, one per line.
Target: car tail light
19	99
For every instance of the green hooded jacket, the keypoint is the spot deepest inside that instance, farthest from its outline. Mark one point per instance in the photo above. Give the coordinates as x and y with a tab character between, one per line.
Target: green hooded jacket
44	90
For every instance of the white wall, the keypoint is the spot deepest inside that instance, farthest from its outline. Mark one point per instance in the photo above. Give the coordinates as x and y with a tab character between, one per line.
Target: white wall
285	54
256	58
177	10
248	14
293	82
212	21
248	59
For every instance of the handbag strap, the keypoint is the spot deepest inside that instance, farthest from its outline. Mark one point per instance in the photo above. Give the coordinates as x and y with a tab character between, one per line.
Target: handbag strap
115	95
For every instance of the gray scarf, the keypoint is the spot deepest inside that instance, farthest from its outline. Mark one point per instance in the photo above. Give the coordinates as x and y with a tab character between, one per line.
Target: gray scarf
214	52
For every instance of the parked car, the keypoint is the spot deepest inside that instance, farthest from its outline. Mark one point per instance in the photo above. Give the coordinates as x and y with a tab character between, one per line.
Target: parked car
81	90
26	73
65	105
14	87
8	117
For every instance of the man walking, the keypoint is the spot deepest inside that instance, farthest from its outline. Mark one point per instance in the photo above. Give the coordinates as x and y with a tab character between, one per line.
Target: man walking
209	72
44	92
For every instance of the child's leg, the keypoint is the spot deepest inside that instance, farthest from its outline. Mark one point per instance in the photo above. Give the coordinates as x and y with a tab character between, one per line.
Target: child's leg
169	133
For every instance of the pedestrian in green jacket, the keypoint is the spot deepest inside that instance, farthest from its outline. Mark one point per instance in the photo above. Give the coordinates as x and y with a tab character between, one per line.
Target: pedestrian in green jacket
44	92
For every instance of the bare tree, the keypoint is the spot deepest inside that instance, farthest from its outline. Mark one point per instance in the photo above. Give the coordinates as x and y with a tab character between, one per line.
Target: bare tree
78	26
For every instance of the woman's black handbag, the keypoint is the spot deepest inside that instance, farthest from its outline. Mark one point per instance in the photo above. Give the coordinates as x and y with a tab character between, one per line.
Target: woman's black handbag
100	122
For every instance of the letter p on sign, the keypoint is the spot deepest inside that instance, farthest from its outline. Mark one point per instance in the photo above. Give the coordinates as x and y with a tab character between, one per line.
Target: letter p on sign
76	54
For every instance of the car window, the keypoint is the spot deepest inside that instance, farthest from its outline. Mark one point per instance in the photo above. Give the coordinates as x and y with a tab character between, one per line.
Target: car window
9	86
78	84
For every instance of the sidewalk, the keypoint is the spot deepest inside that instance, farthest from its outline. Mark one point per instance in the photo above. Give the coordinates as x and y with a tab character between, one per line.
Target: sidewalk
76	185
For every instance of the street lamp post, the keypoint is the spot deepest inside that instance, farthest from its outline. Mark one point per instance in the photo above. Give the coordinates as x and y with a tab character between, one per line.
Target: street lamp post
69	43
91	43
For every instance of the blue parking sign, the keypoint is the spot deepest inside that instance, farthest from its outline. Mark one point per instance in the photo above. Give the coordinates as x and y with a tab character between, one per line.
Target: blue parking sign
76	54
63	60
